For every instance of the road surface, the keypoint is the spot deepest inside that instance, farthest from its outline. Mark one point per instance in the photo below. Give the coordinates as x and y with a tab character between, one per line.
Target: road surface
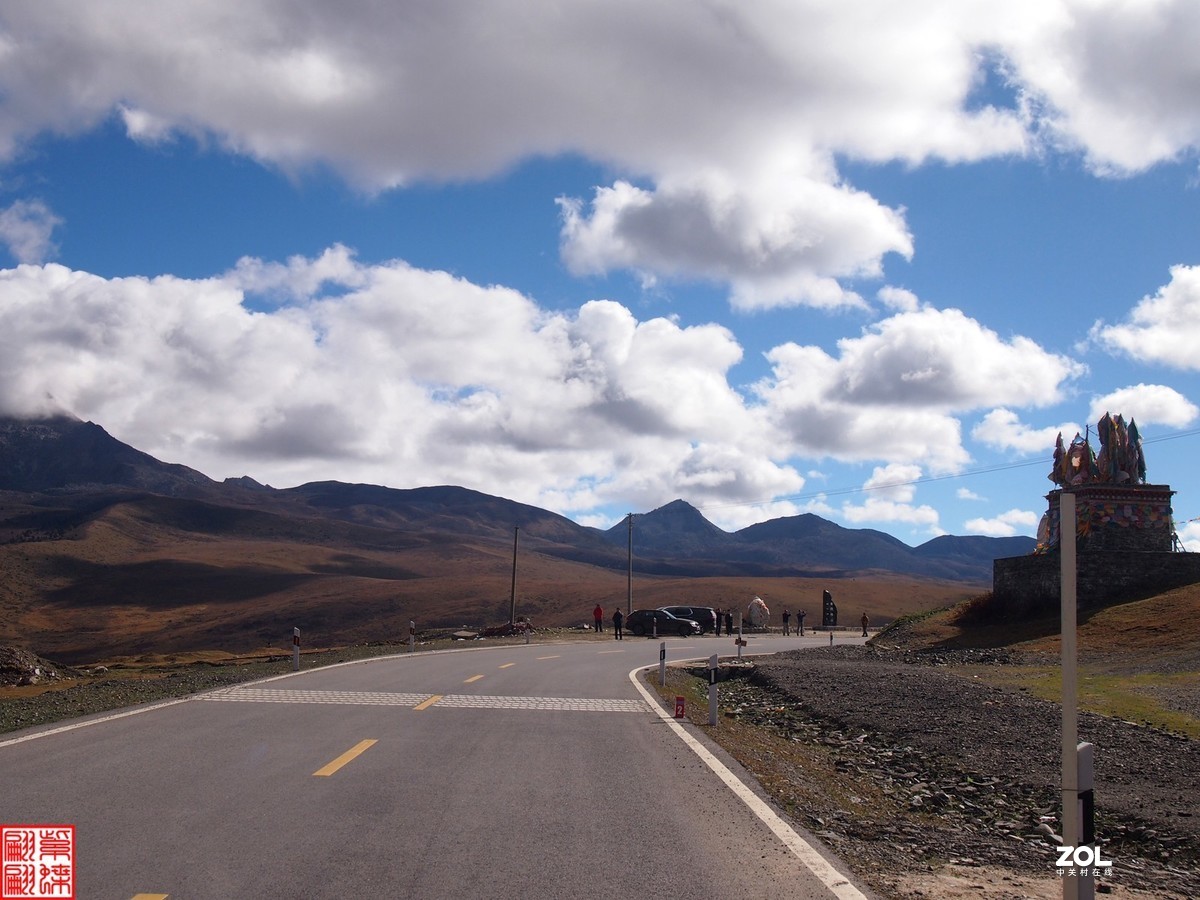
523	771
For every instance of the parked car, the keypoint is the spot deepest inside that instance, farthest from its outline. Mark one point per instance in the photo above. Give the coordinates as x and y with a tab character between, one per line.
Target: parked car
705	615
651	621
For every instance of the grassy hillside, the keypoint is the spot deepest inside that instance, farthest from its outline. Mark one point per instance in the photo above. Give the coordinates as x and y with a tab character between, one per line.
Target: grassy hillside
1138	661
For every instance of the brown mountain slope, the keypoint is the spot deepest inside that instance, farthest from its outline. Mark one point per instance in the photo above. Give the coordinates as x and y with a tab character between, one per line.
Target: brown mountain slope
144	573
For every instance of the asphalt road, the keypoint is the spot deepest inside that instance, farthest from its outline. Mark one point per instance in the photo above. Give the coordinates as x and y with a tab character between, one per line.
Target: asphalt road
521	771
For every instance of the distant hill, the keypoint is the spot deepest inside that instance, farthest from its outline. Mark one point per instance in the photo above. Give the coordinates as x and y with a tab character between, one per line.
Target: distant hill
676	538
89	523
63	453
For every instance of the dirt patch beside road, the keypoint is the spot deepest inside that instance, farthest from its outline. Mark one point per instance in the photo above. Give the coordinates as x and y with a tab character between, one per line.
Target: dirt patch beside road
915	775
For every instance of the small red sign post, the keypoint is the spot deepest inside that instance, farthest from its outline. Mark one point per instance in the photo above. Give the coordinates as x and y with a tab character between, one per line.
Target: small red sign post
680	707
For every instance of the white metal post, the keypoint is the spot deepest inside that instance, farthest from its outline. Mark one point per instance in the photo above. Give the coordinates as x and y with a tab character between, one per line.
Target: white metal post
662	663
1071	831
295	649
713	664
412	635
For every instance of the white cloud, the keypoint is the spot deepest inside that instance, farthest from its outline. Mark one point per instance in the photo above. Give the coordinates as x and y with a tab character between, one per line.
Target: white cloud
942	359
392	375
1147	404
401	376
891	490
879	510
27	229
1005	525
898	299
967	494
388	95
299	277
784	240
893	391
894	482
730	117
1164	328
1002	429
1116	80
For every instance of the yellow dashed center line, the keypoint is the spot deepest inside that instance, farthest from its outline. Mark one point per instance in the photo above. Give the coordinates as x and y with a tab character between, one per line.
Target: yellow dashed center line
358	749
428	703
472	678
508	665
151	896
548	657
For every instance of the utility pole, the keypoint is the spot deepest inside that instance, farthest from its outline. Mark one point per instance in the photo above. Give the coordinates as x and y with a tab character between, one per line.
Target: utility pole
512	597
629	591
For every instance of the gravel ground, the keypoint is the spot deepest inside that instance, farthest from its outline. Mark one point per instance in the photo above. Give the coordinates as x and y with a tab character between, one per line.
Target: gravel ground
941	769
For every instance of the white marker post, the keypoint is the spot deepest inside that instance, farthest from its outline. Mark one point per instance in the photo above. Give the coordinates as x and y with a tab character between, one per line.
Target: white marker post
1075	887
662	663
412	635
295	649
741	641
713	664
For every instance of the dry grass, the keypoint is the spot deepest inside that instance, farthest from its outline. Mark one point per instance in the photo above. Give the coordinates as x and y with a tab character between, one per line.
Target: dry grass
132	582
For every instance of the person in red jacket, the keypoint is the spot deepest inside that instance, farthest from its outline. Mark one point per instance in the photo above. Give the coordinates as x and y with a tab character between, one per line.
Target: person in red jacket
598	615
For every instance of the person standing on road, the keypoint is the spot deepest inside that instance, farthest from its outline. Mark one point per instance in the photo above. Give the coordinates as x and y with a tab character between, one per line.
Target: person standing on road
617	620
865	622
800	614
729	621
717	630
787	618
598	615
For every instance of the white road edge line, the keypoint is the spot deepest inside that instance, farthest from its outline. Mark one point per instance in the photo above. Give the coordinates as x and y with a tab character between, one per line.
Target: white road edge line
89	722
800	848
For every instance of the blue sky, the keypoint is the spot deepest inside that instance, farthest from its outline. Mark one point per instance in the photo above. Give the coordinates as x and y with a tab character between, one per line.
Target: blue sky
598	256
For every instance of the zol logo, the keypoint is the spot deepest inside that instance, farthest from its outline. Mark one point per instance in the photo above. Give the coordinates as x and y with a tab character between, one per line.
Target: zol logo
1081	857
37	862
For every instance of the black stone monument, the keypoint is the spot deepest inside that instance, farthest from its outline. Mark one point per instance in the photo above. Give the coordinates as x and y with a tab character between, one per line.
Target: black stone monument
829	614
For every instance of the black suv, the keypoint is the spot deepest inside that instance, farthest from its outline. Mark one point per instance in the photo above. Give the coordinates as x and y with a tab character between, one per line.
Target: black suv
658	621
705	615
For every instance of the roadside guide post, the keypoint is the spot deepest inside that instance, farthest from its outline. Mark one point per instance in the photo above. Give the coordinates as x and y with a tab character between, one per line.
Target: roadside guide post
1075	793
295	649
412	635
741	641
712	688
662	663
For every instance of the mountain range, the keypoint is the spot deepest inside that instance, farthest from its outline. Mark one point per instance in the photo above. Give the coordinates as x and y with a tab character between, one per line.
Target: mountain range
87	521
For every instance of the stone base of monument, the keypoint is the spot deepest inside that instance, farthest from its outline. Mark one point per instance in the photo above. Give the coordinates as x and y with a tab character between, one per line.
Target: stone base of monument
1124	541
